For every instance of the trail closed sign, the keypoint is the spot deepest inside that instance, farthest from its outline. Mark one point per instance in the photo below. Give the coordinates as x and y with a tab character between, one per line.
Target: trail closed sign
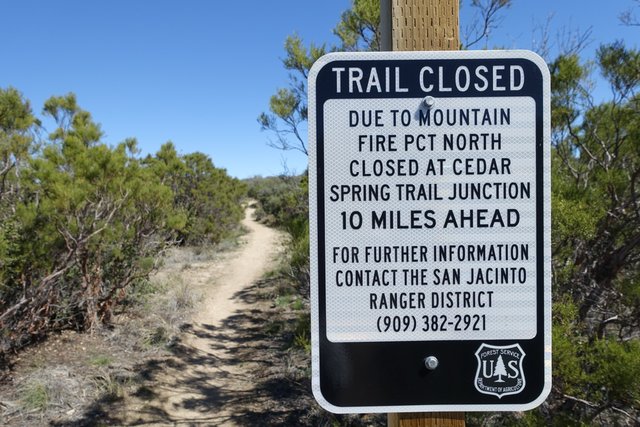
430	231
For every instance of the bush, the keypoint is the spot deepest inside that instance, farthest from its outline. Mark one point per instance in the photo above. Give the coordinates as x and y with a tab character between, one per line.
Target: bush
208	198
80	221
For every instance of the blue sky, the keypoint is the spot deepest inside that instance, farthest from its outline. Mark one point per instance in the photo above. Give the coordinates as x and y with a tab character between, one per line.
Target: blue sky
199	73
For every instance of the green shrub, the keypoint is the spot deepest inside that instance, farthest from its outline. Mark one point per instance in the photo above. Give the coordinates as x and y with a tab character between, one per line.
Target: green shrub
82	222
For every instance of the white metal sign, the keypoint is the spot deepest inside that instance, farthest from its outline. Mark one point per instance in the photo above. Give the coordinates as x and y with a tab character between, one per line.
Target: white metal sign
430	219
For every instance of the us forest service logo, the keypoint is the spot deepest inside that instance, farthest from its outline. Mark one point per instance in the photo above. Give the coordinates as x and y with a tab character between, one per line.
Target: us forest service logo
500	370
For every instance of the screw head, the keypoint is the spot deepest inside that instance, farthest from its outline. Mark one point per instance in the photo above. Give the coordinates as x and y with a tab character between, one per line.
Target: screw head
431	363
429	101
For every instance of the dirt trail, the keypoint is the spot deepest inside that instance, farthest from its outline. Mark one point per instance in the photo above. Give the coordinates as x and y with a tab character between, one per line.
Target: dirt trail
209	379
243	268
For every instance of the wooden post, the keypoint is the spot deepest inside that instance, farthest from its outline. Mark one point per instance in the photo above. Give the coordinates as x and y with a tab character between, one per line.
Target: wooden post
433	419
423	25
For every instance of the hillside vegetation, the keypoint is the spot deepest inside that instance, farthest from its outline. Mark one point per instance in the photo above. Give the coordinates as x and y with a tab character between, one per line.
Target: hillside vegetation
81	222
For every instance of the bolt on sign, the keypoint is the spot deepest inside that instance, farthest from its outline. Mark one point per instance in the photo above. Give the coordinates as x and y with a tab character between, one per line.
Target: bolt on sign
430	231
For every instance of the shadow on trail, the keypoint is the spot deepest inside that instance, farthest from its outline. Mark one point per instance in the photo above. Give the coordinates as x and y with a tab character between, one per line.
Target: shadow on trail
257	344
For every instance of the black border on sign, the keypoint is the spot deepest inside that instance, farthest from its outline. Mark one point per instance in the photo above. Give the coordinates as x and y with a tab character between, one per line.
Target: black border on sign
387	374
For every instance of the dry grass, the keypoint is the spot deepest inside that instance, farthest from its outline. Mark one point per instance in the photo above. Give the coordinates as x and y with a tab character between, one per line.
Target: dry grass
46	393
61	380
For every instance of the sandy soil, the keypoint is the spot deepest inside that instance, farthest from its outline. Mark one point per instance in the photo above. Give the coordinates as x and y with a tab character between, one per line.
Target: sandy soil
209	379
